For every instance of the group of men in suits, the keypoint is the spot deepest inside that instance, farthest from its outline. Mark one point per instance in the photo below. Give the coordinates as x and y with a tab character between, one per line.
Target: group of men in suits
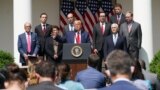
127	32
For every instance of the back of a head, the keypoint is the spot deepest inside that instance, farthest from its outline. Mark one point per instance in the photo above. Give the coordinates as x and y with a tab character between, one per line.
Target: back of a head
15	73
93	60
119	62
63	71
45	69
3	77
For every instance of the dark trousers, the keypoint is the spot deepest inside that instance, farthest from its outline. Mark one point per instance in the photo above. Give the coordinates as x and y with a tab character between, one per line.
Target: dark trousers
99	66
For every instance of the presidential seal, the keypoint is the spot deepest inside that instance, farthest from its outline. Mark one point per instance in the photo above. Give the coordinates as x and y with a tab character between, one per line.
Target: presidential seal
76	51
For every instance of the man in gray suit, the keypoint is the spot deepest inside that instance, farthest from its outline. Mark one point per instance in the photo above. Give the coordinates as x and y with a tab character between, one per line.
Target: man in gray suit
28	44
69	26
133	33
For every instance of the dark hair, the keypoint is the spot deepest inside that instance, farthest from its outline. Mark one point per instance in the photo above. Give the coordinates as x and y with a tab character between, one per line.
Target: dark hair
130	13
3	77
143	64
119	62
55	26
43	14
137	74
93	60
118	5
63	70
15	73
45	69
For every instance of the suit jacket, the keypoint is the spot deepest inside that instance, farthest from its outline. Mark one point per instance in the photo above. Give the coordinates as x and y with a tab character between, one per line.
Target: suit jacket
113	19
49	48
109	44
22	45
42	36
134	37
71	34
121	85
98	37
46	85
91	78
66	28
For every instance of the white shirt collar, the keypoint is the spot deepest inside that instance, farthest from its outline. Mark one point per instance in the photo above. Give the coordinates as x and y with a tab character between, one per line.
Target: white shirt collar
122	79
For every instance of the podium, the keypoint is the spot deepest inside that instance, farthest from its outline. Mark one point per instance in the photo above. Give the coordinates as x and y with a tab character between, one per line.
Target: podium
76	56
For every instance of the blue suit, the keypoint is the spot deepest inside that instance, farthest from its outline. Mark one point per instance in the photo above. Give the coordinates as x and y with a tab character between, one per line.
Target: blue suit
109	45
91	78
69	36
22	45
121	85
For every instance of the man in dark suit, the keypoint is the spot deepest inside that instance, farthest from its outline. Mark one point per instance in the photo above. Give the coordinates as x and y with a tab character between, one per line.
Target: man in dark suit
114	41
100	31
91	78
53	46
120	69
46	73
69	26
118	17
43	31
133	33
77	36
27	44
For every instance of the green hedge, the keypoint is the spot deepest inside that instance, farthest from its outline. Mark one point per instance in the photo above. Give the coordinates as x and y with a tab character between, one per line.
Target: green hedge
155	64
5	58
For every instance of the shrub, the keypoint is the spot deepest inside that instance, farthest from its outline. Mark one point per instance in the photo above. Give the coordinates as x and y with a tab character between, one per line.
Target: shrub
5	58
155	64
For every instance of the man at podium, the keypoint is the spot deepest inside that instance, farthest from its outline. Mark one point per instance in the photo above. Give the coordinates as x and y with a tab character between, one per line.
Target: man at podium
77	36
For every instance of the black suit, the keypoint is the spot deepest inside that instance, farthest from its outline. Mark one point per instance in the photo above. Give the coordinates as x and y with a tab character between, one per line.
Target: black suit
49	48
98	39
113	19
42	36
134	38
110	46
45	85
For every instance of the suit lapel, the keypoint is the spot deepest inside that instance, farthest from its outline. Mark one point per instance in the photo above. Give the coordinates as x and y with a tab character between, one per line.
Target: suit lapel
25	40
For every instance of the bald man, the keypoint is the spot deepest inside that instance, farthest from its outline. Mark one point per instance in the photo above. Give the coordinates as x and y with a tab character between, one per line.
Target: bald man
27	44
114	41
77	36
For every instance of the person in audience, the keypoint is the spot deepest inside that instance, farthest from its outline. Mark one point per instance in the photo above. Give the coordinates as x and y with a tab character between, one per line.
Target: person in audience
3	77
138	78
133	33
118	17
120	69
17	78
53	46
77	36
28	44
91	77
64	72
69	26
152	77
100	31
43	31
45	72
114	41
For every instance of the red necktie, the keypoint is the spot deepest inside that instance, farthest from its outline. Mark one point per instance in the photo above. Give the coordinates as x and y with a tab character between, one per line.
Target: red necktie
29	43
102	28
78	38
44	28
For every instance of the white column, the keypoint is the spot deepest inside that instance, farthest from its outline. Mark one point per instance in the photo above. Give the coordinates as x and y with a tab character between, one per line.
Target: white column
143	14
22	11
